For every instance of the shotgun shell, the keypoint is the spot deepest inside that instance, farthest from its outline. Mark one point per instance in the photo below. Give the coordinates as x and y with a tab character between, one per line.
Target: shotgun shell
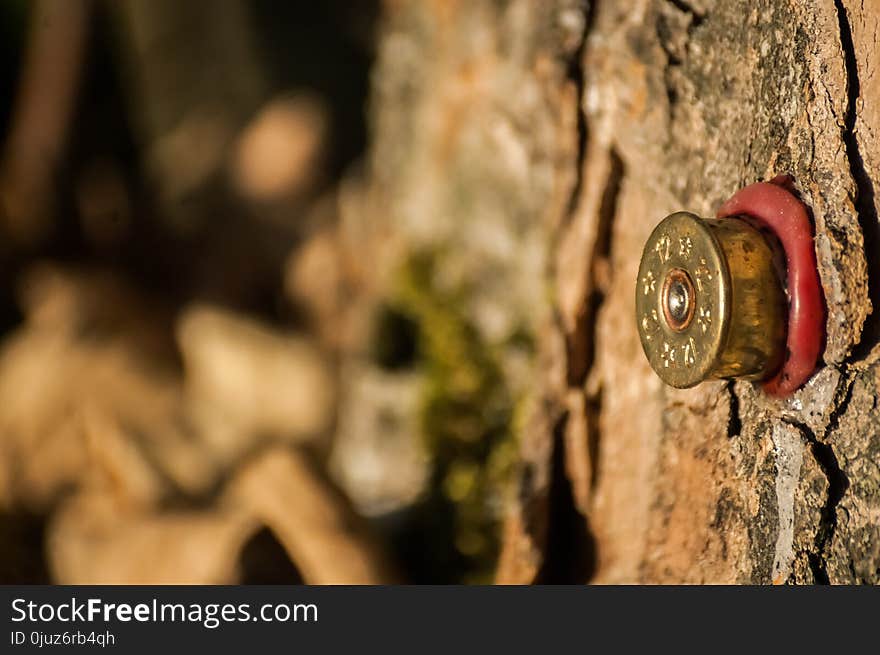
710	302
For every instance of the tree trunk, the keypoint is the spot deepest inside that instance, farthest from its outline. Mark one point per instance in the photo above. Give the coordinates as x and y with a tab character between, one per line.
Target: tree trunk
533	146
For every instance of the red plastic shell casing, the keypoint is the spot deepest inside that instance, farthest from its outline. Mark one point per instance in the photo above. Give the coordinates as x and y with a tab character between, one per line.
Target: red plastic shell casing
774	205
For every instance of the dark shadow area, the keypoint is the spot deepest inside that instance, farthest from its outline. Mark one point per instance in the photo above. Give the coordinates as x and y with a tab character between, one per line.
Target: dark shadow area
570	553
21	549
264	561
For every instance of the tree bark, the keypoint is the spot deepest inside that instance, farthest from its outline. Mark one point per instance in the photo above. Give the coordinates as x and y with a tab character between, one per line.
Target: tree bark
539	143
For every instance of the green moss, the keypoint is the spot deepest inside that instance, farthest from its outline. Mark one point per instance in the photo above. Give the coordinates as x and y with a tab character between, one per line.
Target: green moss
466	415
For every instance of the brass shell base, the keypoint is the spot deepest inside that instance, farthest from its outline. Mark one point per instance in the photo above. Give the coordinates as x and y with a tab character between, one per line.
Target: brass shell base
709	301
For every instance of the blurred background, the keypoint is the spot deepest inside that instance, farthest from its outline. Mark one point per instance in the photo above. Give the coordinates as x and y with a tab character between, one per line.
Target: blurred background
226	356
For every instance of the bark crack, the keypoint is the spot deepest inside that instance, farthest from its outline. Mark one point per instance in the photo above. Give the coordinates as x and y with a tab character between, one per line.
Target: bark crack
863	201
577	75
569	547
687	8
838	482
675	59
585	330
734	423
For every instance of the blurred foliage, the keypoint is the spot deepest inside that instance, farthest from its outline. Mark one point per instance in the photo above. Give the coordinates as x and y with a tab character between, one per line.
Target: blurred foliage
467	420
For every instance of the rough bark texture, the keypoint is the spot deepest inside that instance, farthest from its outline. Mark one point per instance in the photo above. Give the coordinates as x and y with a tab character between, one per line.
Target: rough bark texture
535	145
474	162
